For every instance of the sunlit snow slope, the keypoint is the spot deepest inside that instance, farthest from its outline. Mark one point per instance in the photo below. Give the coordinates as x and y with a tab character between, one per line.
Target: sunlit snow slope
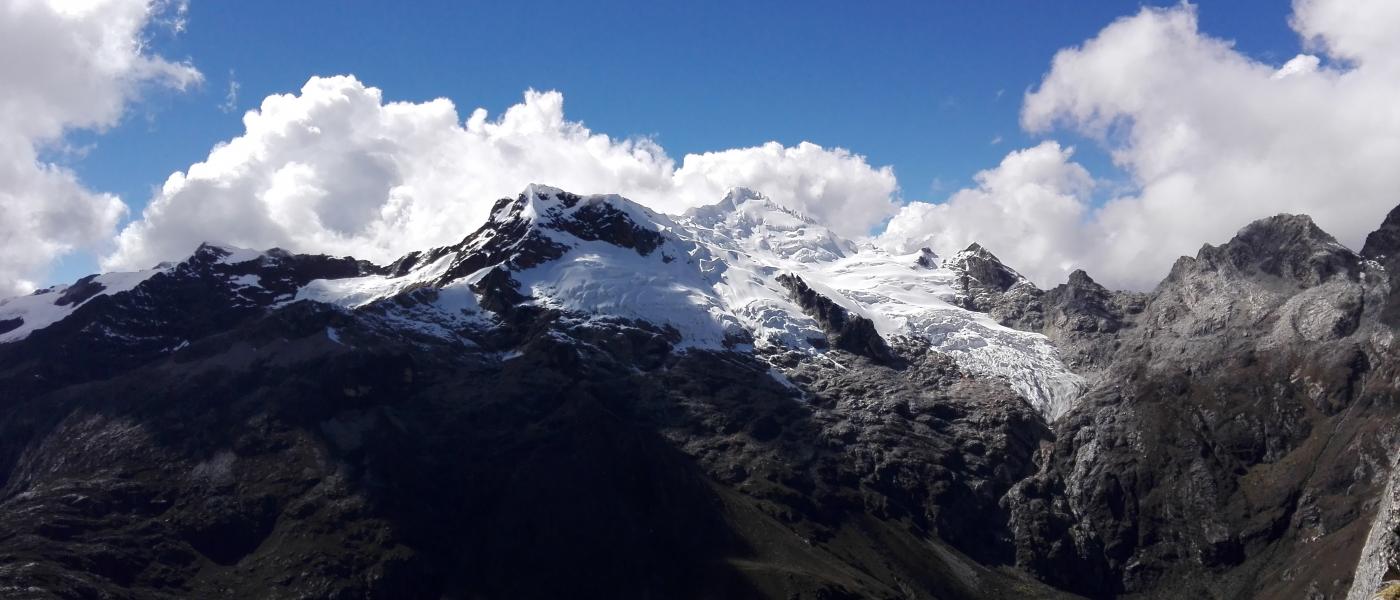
711	276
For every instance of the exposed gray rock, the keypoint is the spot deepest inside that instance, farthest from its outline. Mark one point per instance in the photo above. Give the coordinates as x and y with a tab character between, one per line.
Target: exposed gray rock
927	259
1237	437
1379	566
1086	321
1082	318
1384	242
846	331
80	291
986	285
271	461
1383	247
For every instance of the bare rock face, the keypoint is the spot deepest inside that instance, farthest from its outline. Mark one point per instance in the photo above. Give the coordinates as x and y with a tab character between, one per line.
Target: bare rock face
846	331
1081	305
1087	321
1383	247
927	259
81	290
1384	243
1083	318
1379	565
986	285
1289	247
1237	441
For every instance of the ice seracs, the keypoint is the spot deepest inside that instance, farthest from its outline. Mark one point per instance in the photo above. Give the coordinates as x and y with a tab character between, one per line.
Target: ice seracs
904	297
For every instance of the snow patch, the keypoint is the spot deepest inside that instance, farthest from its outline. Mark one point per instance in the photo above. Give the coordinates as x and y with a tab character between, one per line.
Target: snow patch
234	255
245	281
355	292
40	309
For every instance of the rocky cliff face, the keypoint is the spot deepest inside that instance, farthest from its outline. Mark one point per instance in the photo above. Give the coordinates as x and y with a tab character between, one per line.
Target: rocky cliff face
1379	565
1239	438
587	399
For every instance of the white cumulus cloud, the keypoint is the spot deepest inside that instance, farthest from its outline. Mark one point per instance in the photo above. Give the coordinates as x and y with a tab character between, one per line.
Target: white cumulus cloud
1032	204
69	65
1210	139
337	169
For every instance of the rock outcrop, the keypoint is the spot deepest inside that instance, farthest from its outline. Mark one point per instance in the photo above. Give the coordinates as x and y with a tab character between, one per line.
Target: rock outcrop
845	331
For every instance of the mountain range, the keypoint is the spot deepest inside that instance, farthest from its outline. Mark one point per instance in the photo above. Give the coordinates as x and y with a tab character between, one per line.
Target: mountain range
586	398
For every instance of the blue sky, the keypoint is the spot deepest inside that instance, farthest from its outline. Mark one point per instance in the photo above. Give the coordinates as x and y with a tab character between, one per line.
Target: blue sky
923	86
933	90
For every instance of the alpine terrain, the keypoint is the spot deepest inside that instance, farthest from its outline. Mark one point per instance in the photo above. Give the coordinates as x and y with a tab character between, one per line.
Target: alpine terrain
585	398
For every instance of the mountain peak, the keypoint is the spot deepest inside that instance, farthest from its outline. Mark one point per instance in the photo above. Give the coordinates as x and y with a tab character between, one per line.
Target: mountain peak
979	264
539	225
1385	241
928	259
542	190
1286	246
741	195
762	224
1285	224
747	204
1081	279
600	217
214	252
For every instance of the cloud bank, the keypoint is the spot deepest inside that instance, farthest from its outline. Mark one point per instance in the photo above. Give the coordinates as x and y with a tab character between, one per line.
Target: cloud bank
1207	137
69	65
1029	210
337	169
1210	138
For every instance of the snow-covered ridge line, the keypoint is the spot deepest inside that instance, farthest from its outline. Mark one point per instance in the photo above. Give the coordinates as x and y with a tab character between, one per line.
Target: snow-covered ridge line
241	277
710	275
23	315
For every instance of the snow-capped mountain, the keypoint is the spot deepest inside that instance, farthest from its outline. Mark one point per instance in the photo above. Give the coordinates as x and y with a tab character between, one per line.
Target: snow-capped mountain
738	401
711	276
22	315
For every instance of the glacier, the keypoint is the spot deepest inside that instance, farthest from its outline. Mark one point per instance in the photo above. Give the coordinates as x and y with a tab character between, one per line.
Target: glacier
712	279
